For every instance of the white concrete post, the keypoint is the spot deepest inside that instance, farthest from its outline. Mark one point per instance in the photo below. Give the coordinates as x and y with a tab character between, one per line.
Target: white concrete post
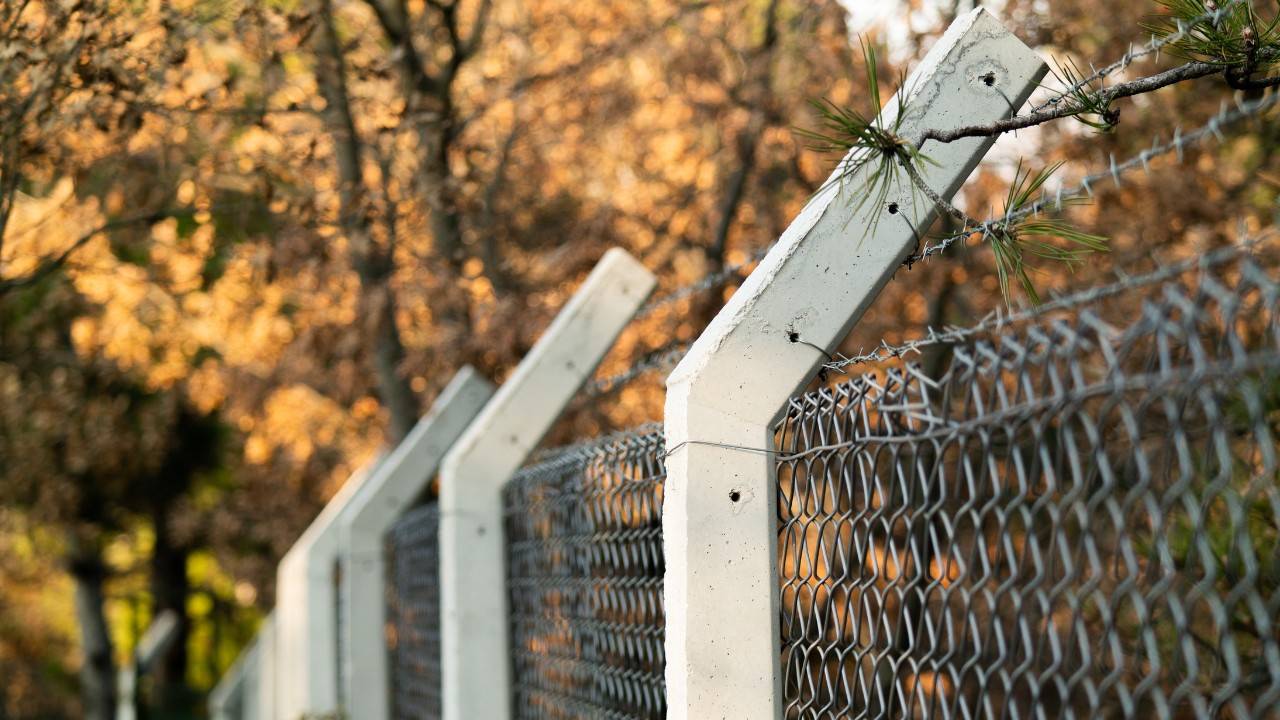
719	514
229	699
473	595
306	662
400	482
260	698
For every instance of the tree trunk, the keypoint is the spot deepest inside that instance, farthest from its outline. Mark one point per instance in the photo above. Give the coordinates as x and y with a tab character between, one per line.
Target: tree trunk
397	394
374	265
98	669
169	591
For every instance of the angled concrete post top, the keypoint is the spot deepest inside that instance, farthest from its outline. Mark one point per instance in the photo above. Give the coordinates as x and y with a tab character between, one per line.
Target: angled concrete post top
228	698
306	610
399	483
719	512
476	664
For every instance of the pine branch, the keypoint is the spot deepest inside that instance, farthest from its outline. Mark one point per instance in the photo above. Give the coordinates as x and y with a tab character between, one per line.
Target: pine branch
1188	71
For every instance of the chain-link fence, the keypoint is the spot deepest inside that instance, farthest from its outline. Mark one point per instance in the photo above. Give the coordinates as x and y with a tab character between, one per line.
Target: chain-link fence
1074	517
584	545
413	613
1074	513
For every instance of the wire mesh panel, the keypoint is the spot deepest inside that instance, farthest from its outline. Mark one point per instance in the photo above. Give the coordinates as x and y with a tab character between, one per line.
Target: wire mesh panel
585	581
413	611
1077	516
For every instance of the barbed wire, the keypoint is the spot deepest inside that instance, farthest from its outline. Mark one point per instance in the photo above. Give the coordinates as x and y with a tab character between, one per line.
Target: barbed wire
1114	172
1154	46
707	282
997	319
667	357
664	358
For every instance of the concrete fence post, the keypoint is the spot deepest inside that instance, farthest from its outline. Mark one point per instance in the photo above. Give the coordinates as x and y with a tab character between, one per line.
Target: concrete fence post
228	699
476	664
400	482
725	397
305	662
260	701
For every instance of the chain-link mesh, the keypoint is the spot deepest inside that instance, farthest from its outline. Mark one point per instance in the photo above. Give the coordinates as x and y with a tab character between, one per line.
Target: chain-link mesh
584	544
1076	517
413	611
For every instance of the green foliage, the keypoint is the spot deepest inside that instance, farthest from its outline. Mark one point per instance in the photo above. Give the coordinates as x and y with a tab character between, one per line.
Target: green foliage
1018	242
1088	106
1239	38
868	141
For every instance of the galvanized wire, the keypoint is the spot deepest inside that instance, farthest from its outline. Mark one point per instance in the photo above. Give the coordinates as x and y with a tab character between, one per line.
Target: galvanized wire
1152	47
662	359
584	545
413	614
1114	173
1079	517
998	319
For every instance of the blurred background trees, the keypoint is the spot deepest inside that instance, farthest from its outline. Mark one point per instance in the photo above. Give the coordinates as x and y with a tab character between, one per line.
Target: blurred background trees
243	244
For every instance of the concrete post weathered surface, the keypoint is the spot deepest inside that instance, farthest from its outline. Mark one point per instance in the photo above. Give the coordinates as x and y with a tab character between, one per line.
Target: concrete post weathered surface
723	400
306	653
400	482
476	663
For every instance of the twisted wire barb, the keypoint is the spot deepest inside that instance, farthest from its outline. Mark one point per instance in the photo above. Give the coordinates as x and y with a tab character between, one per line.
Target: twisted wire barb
706	283
997	320
669	356
1154	46
1114	172
664	358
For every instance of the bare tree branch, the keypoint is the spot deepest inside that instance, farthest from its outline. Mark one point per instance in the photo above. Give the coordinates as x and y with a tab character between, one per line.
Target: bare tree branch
472	43
398	31
1188	71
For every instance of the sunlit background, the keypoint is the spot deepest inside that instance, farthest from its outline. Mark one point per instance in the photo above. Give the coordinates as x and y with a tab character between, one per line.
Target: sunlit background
246	243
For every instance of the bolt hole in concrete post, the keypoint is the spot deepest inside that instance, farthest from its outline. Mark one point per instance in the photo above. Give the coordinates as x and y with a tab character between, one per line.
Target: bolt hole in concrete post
893	208
989	79
720	587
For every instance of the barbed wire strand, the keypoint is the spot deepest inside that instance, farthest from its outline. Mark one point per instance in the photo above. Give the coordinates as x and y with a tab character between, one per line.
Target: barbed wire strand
997	319
664	358
1152	47
705	283
1114	172
1084	189
667	358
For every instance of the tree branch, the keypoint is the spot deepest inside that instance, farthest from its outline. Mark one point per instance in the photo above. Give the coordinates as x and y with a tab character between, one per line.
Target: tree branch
935	198
472	43
398	32
1189	71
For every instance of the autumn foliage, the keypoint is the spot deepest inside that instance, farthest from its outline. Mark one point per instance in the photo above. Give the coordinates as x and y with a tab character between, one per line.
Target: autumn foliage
244	244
